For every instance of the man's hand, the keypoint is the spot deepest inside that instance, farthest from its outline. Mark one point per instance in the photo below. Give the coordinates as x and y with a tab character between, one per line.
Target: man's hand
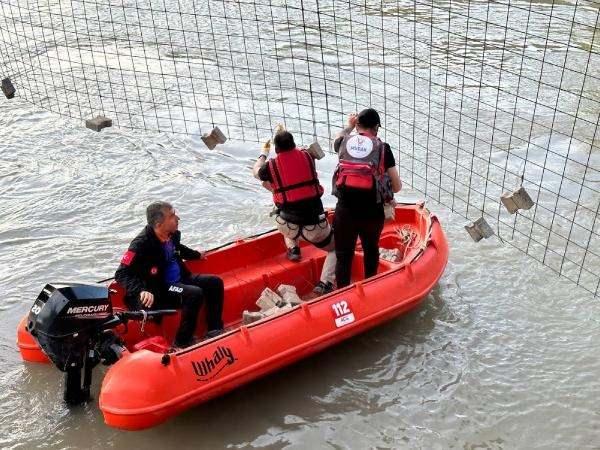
260	162
352	120
147	299
266	148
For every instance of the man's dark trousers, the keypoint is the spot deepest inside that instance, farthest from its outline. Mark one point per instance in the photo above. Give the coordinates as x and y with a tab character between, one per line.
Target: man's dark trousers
189	294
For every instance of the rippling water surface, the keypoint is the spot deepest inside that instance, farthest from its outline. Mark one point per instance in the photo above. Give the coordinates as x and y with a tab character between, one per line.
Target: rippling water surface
502	354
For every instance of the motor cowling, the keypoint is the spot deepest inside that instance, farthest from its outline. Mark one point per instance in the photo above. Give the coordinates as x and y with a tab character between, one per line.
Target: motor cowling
65	317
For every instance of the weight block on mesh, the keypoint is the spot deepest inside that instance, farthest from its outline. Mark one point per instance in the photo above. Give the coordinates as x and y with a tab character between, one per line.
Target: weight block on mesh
8	88
479	229
509	203
519	199
522	198
98	123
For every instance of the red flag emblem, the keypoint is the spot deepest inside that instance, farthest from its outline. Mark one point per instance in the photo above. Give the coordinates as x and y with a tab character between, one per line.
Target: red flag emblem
127	257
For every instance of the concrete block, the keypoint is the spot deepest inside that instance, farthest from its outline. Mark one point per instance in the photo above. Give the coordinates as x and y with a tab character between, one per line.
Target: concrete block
390	254
283	288
473	232
484	227
214	138
509	203
277	309
8	88
285	307
289	294
271	311
291	298
98	123
315	150
519	199
479	229
268	299
523	199
251	316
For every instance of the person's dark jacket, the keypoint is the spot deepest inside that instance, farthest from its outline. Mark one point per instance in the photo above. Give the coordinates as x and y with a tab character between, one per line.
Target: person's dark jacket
143	266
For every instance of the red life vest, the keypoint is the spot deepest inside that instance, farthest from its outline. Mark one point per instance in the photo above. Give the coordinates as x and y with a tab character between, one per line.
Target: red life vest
294	177
362	166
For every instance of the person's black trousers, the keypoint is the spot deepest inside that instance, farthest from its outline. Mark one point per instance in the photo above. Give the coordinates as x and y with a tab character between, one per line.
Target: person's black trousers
348	225
189	294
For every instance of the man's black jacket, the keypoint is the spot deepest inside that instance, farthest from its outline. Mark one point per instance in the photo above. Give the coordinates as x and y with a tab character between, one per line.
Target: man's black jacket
143	266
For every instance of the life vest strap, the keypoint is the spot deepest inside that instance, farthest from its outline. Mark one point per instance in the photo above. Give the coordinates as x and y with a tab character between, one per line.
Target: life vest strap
296	185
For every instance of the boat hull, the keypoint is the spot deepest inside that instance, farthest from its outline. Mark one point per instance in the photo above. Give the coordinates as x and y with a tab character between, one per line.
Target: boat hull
145	389
147	386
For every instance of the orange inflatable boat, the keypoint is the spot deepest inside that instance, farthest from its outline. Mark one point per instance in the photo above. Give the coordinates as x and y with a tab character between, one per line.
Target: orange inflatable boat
146	384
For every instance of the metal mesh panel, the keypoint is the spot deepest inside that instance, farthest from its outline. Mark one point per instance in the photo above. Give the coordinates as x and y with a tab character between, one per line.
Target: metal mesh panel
476	97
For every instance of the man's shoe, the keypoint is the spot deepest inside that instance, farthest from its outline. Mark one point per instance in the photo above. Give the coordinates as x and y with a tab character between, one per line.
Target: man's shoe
323	288
293	254
214	333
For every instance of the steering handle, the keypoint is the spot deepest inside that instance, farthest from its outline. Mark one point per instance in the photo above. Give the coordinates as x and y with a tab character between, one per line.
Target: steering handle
145	315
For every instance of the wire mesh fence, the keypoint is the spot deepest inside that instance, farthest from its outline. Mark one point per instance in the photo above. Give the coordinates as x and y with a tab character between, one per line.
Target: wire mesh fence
477	98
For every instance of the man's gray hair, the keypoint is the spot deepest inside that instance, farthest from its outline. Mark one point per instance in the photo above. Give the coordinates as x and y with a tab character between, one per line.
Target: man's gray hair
155	212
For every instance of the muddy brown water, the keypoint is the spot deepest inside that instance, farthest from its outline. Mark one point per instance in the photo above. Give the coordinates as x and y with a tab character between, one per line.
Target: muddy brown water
501	354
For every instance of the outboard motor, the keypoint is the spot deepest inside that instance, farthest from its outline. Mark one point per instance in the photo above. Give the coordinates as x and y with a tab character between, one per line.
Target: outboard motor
72	322
73	325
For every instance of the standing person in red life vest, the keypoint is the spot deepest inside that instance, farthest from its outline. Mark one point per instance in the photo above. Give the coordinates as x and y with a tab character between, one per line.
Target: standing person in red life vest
365	179
154	276
292	178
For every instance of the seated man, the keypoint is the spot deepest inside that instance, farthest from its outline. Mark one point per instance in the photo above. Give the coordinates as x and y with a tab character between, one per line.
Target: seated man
292	177
154	276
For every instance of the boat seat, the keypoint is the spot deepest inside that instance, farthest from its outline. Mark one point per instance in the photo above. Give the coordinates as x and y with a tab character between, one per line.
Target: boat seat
244	285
